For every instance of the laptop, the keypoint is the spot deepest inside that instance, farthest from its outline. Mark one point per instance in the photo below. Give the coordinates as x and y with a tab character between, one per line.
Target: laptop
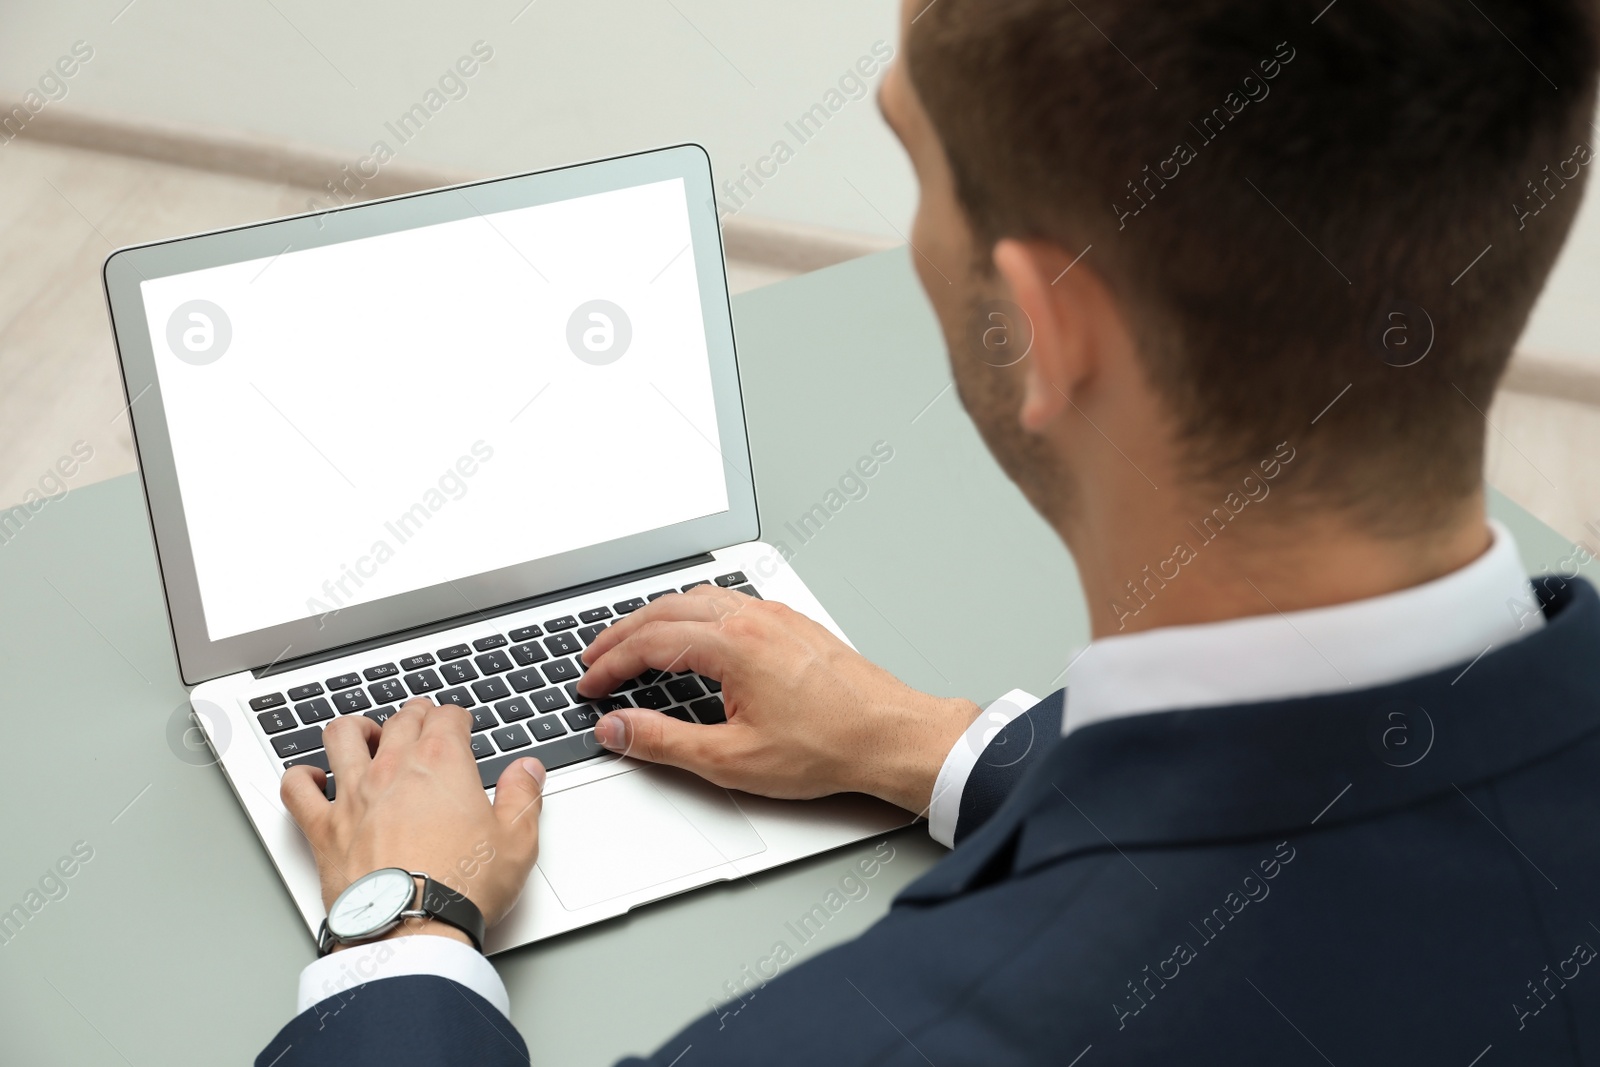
430	446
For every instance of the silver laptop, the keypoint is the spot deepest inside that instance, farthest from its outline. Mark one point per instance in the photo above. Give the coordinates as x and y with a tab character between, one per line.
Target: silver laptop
431	446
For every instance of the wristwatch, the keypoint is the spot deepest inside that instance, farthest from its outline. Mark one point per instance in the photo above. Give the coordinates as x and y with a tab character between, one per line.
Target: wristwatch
376	903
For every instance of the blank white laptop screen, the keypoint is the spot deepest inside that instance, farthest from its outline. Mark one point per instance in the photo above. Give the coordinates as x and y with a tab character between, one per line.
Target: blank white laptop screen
369	418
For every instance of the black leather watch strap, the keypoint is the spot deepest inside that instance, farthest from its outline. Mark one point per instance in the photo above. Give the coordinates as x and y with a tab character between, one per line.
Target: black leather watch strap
448	906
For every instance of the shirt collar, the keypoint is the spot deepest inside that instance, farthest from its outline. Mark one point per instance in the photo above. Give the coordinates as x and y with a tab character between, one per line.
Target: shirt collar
1367	643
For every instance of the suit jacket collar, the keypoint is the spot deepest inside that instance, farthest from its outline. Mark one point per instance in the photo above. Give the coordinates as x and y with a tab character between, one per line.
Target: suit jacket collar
1281	767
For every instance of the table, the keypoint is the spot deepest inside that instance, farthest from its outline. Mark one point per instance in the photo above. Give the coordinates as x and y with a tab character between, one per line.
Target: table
175	943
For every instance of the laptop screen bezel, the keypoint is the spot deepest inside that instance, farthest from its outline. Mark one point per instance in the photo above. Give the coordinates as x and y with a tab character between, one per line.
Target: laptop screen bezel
199	657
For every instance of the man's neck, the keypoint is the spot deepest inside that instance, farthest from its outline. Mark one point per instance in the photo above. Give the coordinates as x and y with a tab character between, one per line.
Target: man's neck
1171	569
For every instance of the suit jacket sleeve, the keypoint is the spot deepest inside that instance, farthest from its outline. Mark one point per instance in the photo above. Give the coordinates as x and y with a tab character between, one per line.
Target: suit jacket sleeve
1006	758
398	1022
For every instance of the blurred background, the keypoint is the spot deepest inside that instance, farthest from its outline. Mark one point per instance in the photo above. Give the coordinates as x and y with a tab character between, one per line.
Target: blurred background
123	122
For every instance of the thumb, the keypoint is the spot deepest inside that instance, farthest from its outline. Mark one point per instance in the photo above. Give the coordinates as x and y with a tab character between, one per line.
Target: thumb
651	736
308	805
519	795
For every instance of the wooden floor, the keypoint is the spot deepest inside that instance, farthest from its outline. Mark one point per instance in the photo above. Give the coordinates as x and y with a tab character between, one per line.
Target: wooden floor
62	209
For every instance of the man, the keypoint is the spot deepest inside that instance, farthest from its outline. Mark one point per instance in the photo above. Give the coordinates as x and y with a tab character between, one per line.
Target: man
1327	783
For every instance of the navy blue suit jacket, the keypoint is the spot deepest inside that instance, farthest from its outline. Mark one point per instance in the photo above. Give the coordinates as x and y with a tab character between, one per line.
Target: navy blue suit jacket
1401	875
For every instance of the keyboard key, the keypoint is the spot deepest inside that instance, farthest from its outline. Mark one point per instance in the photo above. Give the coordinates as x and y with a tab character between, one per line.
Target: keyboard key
626	684
461	697
628	607
594	614
546	728
566	622
526	633
481	748
749	590
416	663
423	682
383	670
490	689
381	715
692	585
523	681
454	652
548	700
582	717
529	653
561	670
483	719
458	673
563	645
330	788
389	691
612	704
353	701
730	580
276	721
511	737
652	697
513	709
344	681
679	713
709	711
484	644
493	662
589	633
306	692
651	676
684	690
312	711
286	745
658	596
262	703
711	684
316	759
562	752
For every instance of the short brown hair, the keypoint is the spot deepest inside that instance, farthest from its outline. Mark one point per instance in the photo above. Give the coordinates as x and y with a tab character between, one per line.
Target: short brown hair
1340	169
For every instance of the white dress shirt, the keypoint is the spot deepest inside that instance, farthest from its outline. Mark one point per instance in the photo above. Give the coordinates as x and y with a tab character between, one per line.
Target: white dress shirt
1274	656
1454	619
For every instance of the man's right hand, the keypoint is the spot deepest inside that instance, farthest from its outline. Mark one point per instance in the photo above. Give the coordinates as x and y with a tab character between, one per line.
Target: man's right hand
807	715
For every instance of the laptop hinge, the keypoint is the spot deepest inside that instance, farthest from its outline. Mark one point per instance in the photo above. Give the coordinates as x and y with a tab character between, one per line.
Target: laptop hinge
285	666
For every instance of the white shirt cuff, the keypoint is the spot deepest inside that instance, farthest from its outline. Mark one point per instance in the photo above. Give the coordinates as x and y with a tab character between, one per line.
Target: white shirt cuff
945	810
417	954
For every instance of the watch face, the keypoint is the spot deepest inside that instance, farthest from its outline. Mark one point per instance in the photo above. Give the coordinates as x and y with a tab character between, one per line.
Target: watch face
371	903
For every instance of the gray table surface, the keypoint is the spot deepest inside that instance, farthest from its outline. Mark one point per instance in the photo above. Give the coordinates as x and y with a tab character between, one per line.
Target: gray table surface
176	943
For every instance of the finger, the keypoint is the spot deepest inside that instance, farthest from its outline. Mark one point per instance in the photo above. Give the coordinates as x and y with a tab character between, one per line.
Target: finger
405	725
703	603
657	738
309	807
697	646
350	742
519	795
448	721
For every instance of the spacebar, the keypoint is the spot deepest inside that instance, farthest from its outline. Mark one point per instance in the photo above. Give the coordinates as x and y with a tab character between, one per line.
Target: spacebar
562	753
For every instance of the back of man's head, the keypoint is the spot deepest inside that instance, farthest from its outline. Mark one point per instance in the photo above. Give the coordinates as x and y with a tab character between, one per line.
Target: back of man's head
1287	203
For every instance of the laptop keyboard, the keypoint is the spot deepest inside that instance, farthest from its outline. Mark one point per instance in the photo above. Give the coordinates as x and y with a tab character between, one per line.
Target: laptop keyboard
521	687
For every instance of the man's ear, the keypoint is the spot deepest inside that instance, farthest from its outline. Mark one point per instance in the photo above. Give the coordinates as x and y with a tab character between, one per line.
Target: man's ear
1048	296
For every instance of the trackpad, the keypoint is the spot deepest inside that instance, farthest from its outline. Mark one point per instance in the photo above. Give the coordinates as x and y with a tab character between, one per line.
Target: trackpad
632	831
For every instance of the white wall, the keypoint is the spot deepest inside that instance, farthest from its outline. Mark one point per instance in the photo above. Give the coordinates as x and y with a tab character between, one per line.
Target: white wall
570	79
